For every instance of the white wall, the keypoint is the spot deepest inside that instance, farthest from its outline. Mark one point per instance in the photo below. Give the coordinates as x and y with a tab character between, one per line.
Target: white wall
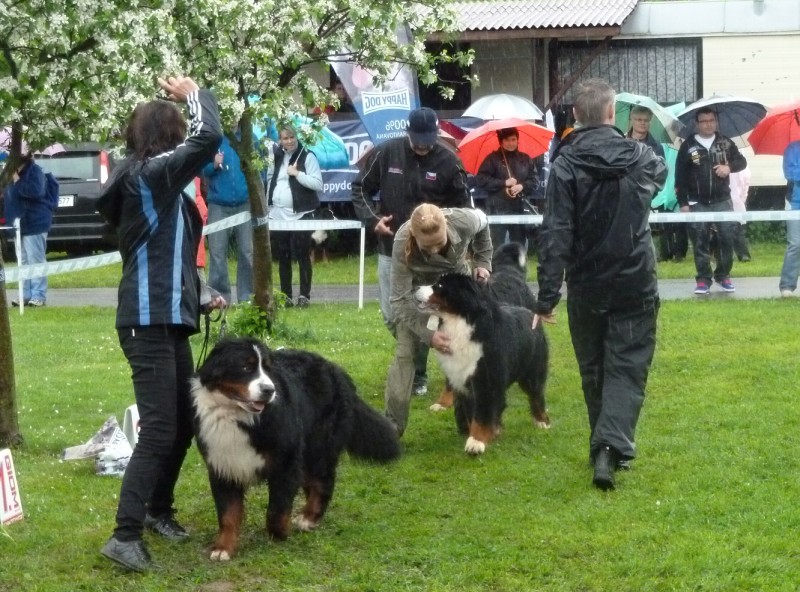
761	67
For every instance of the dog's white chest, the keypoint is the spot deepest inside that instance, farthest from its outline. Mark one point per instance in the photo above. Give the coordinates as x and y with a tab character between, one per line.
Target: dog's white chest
228	449
460	364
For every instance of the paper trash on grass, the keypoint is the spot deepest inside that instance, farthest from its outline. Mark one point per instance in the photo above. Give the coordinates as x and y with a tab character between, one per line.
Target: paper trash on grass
109	446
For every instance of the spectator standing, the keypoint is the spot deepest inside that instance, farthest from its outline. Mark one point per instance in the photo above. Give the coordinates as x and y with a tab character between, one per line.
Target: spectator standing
227	196
702	184
791	259
160	297
595	233
407	171
509	177
293	184
673	237
26	199
433	242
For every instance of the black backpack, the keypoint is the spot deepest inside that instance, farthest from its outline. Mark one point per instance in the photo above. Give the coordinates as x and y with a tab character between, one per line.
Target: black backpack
51	190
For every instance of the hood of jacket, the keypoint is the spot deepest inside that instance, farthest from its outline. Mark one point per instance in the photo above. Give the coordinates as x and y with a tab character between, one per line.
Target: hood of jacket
597	151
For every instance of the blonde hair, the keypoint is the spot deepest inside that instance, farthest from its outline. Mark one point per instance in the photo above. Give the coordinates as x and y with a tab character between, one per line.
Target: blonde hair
426	222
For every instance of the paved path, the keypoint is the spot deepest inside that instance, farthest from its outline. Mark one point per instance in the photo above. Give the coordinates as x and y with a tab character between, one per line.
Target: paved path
746	288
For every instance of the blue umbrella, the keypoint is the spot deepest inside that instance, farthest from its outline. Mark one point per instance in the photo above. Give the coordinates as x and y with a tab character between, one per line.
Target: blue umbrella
324	144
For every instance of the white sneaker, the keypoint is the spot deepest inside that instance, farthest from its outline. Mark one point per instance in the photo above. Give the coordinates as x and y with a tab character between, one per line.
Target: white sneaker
35	302
786	293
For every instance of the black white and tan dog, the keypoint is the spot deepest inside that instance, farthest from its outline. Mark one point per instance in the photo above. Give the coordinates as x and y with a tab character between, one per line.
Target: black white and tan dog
284	417
508	284
492	345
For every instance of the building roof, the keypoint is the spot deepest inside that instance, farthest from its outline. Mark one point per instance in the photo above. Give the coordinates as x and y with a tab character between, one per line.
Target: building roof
488	15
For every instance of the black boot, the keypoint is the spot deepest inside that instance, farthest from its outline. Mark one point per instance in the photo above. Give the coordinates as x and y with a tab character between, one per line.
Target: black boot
604	465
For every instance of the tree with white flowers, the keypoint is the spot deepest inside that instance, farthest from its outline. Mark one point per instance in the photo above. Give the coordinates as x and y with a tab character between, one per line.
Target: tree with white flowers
70	70
257	55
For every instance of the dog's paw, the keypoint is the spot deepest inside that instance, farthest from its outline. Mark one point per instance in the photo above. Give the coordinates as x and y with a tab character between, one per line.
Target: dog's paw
474	446
542	425
219	555
437	407
303	524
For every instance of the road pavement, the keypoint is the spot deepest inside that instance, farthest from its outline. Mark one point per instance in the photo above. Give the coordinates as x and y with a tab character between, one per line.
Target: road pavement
746	289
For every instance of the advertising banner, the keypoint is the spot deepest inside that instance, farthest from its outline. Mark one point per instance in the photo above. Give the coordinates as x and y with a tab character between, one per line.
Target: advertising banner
10	498
383	110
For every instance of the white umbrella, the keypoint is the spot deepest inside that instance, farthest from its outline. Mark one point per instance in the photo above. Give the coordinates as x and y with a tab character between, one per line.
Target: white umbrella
735	115
503	106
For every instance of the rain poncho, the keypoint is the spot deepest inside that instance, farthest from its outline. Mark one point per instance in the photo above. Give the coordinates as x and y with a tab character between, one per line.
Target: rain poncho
595	232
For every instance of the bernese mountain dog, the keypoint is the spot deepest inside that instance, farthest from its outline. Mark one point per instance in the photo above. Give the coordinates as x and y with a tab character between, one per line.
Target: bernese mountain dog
282	417
508	284
493	345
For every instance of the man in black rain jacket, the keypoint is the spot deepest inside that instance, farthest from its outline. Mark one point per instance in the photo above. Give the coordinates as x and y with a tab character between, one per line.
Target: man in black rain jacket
596	235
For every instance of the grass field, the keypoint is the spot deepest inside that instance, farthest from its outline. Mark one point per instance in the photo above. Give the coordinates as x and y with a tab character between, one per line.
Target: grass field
709	505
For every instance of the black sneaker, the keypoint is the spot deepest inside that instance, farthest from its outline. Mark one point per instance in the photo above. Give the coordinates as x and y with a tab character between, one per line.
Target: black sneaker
166	526
16	302
604	465
131	555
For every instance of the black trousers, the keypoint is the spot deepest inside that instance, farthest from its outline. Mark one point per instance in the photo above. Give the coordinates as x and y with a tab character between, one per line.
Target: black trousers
161	364
294	246
614	346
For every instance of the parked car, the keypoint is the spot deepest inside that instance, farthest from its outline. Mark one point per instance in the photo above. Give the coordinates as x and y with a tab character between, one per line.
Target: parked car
78	229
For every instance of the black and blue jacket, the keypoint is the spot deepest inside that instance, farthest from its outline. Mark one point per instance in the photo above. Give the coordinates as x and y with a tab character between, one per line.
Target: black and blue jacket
159	227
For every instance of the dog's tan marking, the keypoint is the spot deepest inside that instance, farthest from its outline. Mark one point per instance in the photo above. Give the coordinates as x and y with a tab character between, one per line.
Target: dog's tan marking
230	525
278	526
445	400
479	436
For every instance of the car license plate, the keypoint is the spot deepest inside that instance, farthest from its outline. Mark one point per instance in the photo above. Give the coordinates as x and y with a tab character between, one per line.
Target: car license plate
66	201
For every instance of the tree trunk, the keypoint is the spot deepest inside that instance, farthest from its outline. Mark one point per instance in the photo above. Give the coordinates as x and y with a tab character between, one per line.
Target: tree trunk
9	422
262	251
10	436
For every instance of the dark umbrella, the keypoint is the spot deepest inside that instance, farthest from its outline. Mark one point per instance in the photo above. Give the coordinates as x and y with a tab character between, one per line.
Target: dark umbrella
735	115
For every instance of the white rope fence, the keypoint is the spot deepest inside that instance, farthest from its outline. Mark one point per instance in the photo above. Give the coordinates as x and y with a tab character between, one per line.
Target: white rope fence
25	272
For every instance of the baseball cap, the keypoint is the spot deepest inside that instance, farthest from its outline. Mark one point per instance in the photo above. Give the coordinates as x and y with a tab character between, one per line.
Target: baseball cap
423	126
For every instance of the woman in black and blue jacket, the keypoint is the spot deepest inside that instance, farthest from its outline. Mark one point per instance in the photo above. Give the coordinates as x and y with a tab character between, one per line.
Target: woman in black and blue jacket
159	231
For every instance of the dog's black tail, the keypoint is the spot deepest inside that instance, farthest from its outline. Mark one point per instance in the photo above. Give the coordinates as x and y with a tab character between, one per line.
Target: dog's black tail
373	437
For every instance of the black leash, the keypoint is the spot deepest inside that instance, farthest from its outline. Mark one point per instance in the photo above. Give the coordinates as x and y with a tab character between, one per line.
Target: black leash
223	325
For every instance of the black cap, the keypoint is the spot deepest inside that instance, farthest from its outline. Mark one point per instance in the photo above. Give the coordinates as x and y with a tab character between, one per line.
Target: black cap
423	126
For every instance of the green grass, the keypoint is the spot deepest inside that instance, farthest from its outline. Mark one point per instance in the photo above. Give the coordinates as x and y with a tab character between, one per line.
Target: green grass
767	260
710	503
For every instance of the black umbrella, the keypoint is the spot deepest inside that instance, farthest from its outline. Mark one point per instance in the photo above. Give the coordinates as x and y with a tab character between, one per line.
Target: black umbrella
735	115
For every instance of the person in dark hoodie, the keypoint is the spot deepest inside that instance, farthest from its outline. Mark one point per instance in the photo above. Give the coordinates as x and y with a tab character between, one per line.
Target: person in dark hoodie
596	235
26	199
160	298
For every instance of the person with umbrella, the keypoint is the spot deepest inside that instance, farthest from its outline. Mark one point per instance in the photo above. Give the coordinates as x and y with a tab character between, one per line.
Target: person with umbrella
702	184
509	176
673	237
791	259
595	234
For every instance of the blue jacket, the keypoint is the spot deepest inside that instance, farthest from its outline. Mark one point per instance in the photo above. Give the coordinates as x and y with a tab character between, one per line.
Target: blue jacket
227	185
27	200
159	226
791	170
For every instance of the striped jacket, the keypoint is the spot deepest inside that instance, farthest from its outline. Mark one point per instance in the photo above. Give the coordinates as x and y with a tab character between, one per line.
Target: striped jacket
159	227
